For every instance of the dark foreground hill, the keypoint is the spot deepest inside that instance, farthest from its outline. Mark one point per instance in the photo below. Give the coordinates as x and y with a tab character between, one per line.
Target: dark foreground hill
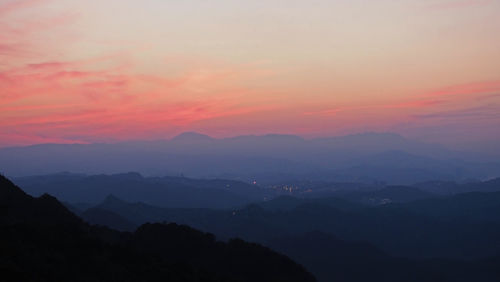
40	240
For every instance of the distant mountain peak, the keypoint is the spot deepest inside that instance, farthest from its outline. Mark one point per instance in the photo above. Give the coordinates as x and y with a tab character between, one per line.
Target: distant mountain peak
111	200
191	136
283	136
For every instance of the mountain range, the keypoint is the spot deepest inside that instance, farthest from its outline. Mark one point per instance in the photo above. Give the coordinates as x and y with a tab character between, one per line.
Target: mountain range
366	157
417	236
390	233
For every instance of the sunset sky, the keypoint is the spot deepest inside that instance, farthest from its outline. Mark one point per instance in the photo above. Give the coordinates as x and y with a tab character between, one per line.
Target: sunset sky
113	70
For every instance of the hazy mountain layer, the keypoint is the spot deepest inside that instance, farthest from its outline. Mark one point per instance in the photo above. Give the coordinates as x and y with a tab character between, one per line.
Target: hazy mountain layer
365	157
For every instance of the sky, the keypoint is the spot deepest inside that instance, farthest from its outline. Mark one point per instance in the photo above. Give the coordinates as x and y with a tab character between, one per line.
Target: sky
74	71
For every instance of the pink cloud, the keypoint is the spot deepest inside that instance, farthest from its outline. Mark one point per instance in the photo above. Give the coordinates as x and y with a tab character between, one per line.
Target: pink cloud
113	102
126	122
